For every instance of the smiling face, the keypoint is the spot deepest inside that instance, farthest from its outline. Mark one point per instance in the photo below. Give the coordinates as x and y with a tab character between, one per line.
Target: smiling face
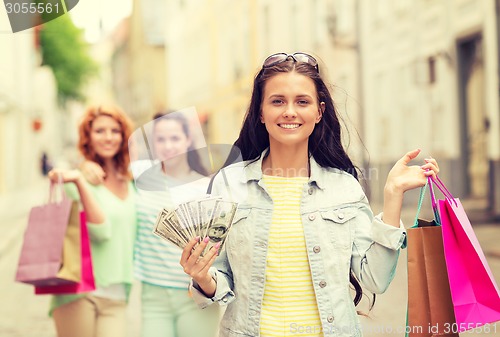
105	137
171	143
290	109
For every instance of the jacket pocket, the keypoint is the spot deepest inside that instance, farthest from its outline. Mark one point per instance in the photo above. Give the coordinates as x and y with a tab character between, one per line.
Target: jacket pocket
241	214
338	225
238	232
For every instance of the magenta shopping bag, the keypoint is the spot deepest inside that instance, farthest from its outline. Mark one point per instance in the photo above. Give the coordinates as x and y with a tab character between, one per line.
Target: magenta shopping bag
475	295
87	282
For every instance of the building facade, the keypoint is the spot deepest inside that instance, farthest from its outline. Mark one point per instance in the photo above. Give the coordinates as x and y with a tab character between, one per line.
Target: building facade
430	81
216	47
30	119
405	74
138	61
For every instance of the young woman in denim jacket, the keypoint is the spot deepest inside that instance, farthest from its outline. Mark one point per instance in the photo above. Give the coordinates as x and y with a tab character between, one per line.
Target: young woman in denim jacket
304	229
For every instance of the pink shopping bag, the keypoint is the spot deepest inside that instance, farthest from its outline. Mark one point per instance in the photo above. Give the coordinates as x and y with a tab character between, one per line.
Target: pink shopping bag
474	292
87	282
50	251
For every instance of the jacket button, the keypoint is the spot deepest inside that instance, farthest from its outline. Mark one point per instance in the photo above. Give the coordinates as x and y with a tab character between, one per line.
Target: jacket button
310	191
340	215
322	284
330	319
316	249
224	299
312	217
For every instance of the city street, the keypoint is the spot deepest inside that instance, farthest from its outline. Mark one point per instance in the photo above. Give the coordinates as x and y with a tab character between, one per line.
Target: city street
388	317
122	83
22	314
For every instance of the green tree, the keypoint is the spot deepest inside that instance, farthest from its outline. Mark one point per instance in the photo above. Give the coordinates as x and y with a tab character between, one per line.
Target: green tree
65	50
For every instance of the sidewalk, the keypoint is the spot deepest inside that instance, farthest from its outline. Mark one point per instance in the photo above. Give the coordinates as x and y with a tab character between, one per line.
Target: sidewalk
16	206
388	318
22	313
25	315
20	202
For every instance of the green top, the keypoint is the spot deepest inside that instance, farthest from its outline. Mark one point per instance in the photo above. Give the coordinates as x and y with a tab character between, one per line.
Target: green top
112	242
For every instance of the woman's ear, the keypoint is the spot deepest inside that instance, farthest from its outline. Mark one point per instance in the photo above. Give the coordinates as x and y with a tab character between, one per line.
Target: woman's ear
321	110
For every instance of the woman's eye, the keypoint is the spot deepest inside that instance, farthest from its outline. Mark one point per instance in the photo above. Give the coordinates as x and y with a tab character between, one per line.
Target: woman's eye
303	102
277	101
117	131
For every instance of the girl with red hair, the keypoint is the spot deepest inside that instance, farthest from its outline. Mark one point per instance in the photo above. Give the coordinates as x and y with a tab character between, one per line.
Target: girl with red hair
111	221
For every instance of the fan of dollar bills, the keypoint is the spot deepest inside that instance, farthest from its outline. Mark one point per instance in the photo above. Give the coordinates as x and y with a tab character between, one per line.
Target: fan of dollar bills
209	216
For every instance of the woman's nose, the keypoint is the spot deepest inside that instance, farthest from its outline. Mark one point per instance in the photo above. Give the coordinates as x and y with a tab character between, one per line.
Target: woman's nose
167	145
289	112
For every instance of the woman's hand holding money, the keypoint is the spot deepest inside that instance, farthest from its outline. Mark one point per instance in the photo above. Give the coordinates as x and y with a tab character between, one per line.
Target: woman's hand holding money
197	267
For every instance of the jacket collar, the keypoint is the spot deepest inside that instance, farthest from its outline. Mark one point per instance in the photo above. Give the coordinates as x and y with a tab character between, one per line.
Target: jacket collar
253	170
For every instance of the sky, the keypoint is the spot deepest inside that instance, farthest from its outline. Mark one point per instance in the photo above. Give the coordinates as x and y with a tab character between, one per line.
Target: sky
88	14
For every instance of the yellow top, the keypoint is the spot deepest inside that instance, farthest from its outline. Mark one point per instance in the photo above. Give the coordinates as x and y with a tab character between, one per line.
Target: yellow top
289	305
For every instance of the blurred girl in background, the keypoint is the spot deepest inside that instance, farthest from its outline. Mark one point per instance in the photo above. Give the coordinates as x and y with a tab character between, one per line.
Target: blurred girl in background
111	221
167	309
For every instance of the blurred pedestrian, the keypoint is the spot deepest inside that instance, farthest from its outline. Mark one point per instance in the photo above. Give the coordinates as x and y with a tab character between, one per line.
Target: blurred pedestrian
303	229
45	164
111	220
179	176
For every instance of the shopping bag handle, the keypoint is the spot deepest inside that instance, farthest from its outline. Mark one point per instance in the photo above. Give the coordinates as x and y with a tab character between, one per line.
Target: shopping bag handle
440	185
433	201
57	187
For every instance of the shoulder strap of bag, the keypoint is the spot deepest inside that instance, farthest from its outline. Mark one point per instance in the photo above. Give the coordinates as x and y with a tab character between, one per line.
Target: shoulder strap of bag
210	184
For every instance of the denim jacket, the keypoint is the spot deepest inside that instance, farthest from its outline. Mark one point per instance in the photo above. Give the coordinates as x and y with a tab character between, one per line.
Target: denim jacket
340	231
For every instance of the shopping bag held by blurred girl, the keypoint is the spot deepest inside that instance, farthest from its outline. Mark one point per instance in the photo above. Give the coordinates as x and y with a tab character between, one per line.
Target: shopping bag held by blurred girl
50	253
87	282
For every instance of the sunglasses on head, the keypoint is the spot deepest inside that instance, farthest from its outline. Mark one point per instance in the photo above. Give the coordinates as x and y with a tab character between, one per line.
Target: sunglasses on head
296	57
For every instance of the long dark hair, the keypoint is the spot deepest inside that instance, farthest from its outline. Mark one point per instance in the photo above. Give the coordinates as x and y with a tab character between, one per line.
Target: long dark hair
325	141
324	145
193	157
